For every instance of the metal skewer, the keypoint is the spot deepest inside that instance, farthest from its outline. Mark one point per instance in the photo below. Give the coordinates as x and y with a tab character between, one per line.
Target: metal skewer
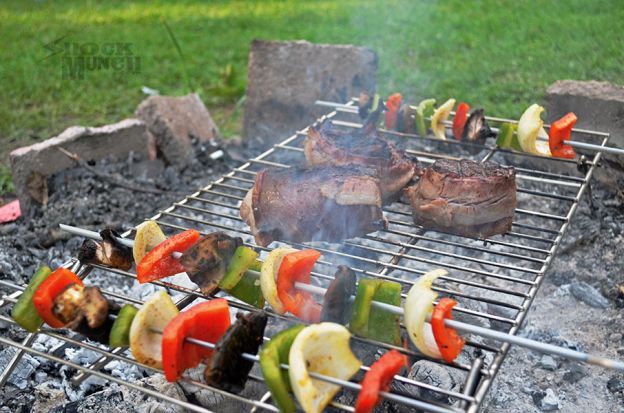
581	145
458	325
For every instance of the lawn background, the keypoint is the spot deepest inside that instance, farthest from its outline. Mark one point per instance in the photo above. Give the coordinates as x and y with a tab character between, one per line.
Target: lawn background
498	54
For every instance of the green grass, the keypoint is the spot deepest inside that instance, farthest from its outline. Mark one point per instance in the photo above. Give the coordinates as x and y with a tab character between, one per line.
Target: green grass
499	54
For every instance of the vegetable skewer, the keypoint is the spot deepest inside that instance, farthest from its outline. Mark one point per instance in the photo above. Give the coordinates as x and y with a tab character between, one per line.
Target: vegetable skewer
574	144
458	325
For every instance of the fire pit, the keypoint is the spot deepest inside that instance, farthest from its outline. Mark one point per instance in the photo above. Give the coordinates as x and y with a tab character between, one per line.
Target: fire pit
495	280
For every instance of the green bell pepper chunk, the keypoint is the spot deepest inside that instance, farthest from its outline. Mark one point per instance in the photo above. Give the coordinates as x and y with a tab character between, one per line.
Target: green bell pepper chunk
272	355
256	266
362	306
505	133
424	110
372	322
240	262
508	138
383	325
120	331
248	290
24	312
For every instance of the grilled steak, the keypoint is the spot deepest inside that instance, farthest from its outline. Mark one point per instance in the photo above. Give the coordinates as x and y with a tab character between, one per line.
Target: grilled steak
330	146
313	204
465	198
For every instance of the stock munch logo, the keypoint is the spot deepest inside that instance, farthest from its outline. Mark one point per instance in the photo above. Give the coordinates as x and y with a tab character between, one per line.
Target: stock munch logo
79	58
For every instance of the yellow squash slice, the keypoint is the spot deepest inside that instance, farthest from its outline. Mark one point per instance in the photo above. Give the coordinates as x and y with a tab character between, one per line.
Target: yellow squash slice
268	277
148	235
439	116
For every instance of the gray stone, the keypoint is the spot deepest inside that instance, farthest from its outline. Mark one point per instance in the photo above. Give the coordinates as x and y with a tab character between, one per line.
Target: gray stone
589	295
575	373
550	401
548	363
174	122
286	78
437	375
48	395
33	165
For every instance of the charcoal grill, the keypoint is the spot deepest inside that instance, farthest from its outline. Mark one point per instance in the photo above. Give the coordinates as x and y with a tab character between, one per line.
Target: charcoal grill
495	280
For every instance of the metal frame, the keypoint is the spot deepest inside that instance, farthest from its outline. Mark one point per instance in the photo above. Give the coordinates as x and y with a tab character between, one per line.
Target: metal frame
494	273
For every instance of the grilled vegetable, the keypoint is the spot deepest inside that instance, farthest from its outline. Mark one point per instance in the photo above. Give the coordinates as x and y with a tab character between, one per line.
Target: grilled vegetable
508	138
459	121
296	267
392	108
248	290
530	126
77	303
369	108
52	286
447	339
320	348
377	379
148	236
207	260
369	321
24	312
477	129
439	116
268	276
337	303
419	304
405	123
273	355
206	321
227	369
109	252
159	263
120	332
239	263
560	131
423	112
150	320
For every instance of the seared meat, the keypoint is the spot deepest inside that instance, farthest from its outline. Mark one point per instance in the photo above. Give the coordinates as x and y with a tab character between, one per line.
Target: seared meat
227	369
313	204
330	146
207	260
465	198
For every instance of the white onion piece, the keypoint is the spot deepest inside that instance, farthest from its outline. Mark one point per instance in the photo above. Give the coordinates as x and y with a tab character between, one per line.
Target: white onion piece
439	116
418	305
268	277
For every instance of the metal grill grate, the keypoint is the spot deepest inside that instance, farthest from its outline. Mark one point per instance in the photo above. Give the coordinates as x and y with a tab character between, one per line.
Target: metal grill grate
495	280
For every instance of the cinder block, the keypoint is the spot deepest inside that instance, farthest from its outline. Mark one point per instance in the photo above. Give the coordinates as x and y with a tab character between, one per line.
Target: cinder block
173	122
286	78
34	164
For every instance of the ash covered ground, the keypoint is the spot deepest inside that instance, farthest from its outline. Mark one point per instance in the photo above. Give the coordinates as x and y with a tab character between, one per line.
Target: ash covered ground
579	305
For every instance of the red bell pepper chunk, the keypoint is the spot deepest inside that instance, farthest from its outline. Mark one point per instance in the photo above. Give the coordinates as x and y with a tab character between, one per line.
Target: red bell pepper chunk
207	321
159	263
49	289
447	339
459	121
378	379
392	109
560	131
296	267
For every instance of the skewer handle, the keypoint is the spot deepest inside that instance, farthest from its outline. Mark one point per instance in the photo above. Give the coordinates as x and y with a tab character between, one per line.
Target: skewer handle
458	325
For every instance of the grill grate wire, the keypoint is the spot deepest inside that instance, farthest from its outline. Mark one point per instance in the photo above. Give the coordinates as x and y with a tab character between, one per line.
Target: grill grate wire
509	269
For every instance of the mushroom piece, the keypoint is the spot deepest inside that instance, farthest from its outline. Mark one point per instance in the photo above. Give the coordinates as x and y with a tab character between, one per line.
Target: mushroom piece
207	260
76	303
110	252
477	129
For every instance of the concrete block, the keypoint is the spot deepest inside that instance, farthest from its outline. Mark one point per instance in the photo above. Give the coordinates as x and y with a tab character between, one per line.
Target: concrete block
32	165
285	78
174	122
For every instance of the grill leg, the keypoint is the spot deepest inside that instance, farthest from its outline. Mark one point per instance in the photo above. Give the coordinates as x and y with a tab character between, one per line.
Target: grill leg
30	338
